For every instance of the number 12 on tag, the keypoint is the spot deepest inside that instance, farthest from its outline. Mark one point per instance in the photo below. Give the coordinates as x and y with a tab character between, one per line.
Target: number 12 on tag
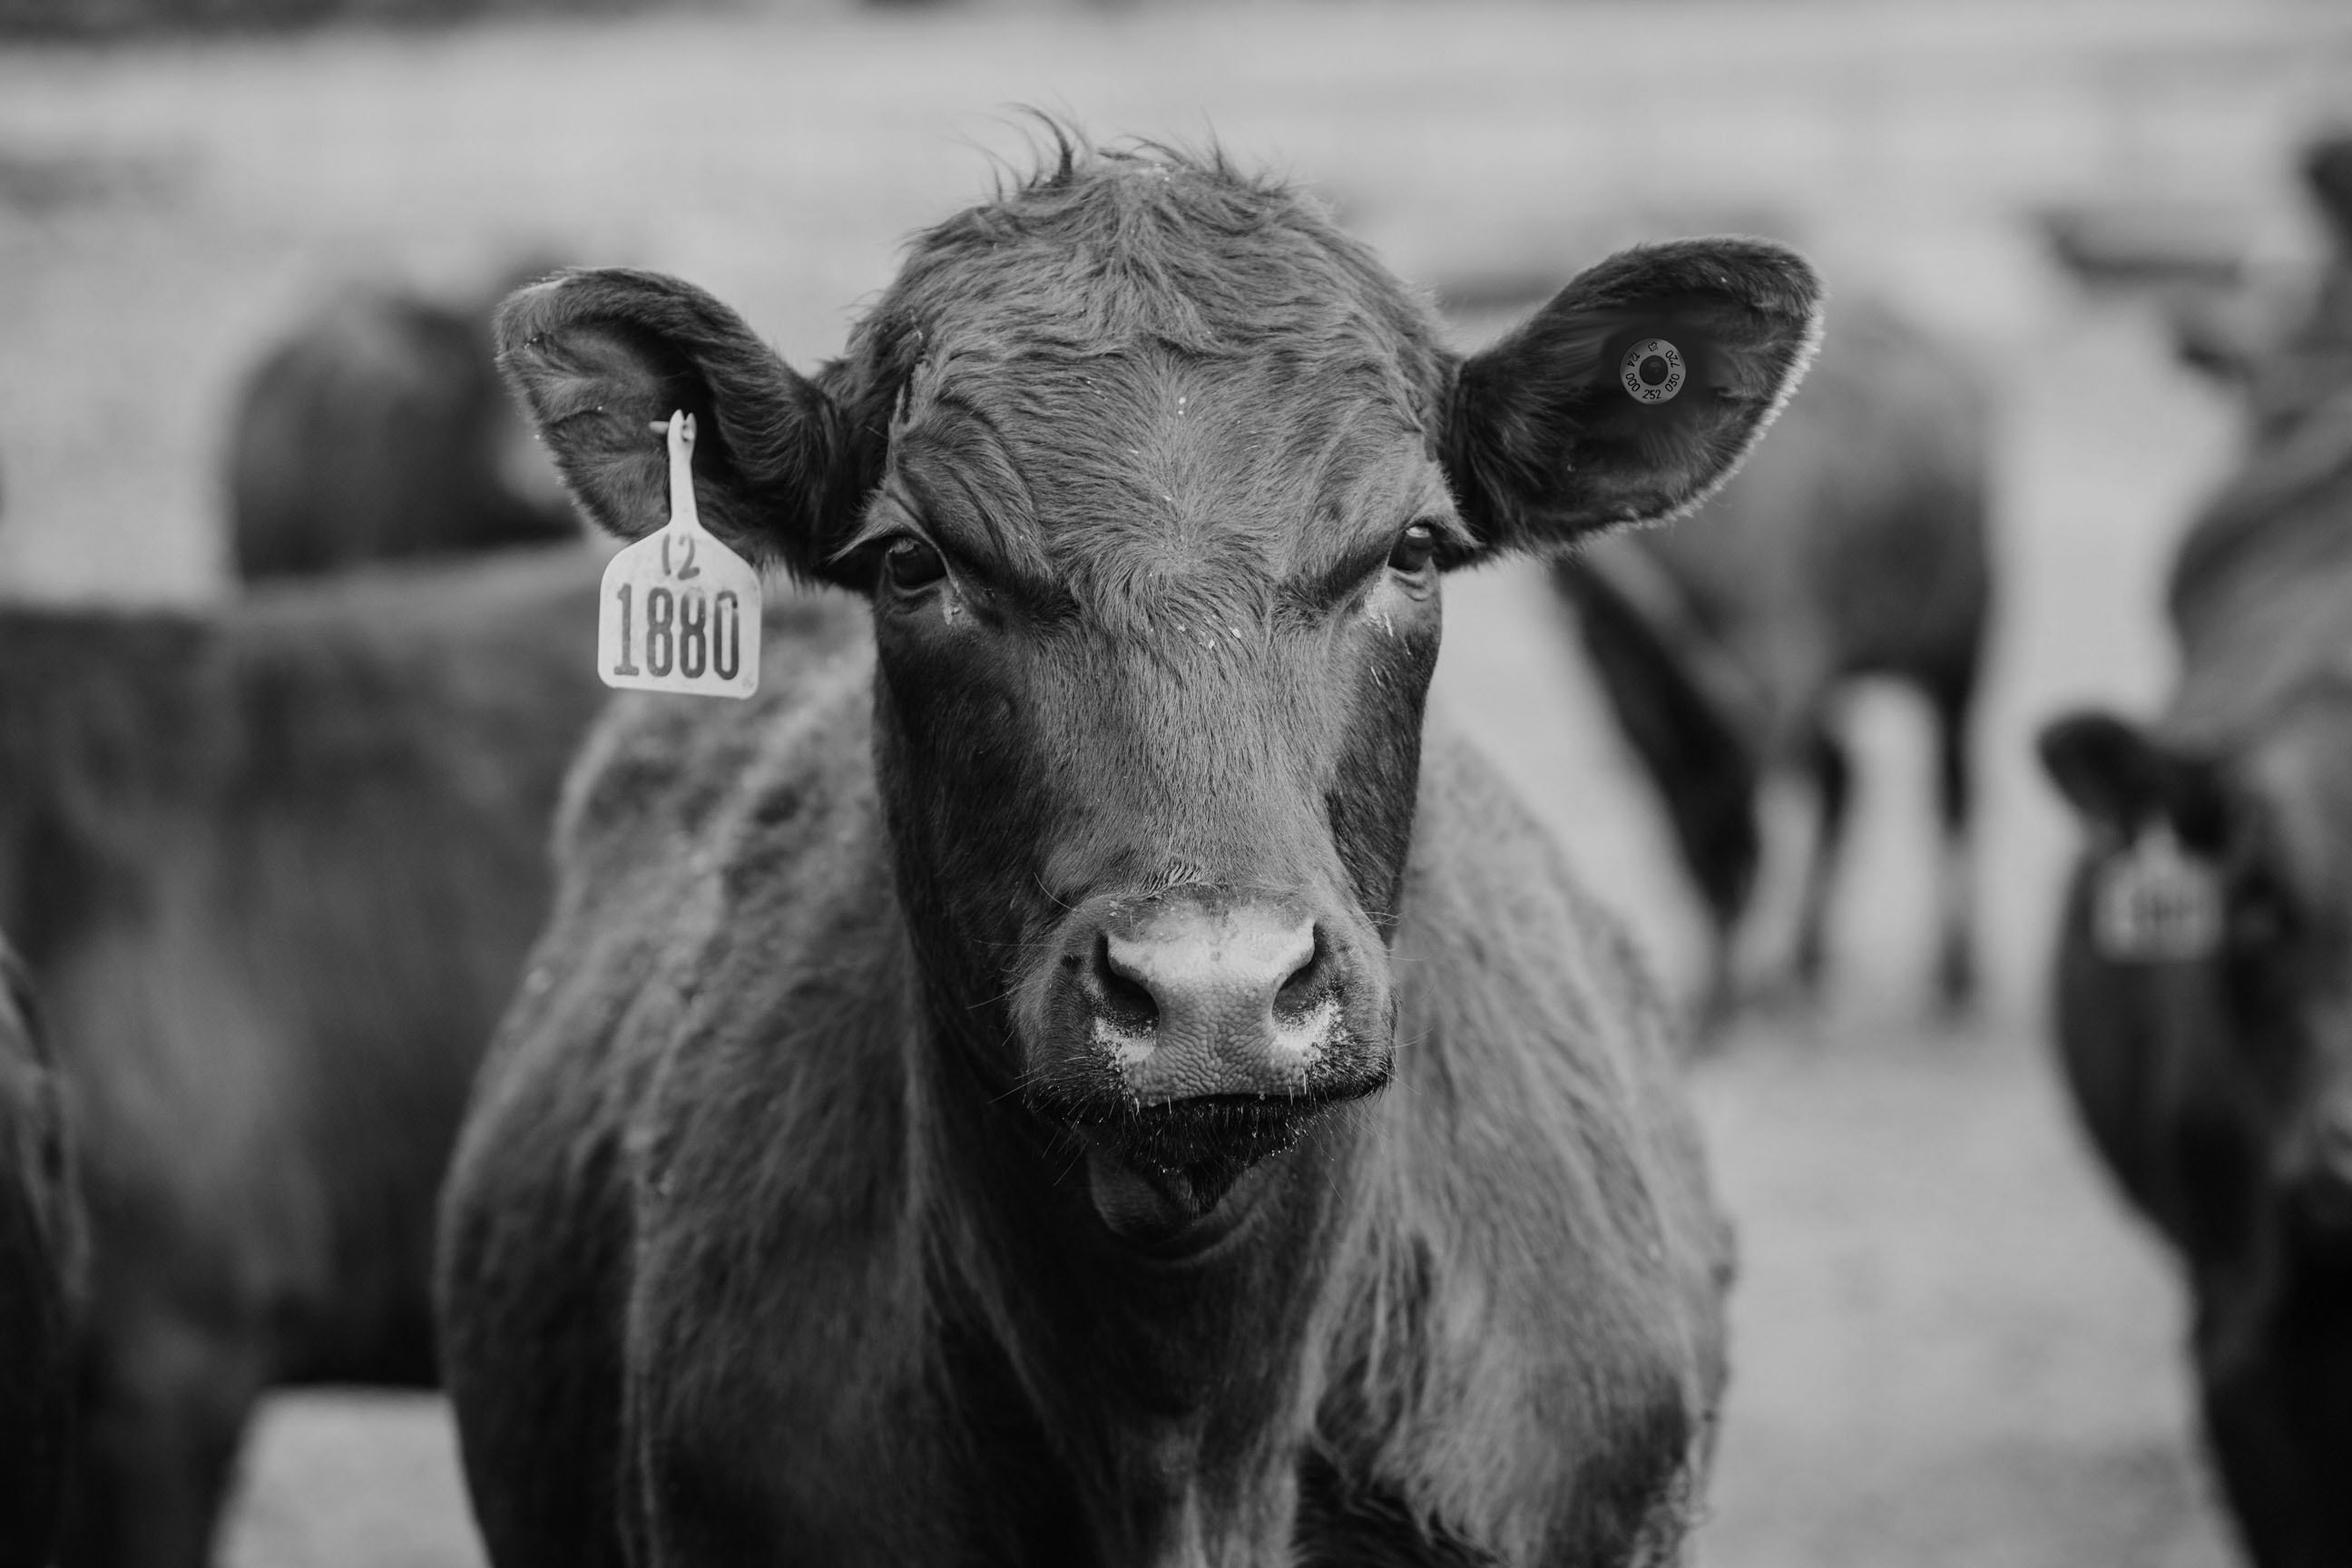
679	611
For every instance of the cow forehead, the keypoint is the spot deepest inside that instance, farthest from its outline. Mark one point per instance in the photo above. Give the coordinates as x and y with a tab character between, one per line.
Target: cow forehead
1153	353
1162	461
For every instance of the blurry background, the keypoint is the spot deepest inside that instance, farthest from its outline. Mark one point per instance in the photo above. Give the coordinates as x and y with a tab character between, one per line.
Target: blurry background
1952	1346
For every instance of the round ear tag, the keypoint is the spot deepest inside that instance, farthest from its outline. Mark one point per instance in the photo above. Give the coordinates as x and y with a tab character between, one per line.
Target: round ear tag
1652	371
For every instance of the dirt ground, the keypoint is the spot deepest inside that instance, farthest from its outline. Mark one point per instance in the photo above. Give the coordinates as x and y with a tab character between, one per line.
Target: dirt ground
1953	1347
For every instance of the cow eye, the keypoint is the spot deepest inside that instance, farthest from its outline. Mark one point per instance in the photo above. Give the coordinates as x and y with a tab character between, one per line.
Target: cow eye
1415	548
909	564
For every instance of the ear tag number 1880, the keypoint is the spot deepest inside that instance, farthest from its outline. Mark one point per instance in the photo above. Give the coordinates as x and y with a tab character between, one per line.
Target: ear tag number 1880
679	611
2157	903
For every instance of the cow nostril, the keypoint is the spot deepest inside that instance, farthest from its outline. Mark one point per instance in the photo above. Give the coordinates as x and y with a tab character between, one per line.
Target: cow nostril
1123	999
1309	982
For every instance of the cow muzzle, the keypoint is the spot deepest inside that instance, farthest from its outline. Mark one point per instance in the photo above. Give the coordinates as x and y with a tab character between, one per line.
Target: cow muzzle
1186	1035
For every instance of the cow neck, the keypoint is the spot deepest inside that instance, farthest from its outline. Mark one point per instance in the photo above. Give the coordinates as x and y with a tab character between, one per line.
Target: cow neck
1178	1382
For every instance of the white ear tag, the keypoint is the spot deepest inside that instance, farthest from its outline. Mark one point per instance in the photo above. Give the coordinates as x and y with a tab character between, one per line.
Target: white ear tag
1652	371
2156	903
679	611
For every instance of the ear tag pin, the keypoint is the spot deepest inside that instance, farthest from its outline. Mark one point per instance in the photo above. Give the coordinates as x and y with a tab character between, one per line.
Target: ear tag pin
2156	903
679	610
1652	371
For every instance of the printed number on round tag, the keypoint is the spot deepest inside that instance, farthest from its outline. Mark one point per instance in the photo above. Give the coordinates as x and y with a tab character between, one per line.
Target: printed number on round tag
1652	371
679	611
2156	903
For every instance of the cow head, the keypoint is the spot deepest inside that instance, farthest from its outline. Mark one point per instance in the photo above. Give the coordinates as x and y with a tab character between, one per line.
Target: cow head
2283	349
2256	1025
1150	475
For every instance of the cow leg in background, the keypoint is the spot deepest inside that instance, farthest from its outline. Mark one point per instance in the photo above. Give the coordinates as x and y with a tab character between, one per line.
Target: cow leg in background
1726	897
1833	773
1677	725
1956	965
165	1406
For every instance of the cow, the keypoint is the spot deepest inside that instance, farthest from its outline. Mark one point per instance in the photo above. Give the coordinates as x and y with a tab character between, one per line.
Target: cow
2283	347
378	429
1856	544
2203	982
41	1259
1092	1077
274	866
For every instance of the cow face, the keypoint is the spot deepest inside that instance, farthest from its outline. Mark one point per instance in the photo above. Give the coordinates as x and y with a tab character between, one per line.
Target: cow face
1150	475
2256	1024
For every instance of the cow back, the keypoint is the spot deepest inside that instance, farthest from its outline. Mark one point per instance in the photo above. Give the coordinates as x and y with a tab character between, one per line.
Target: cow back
278	866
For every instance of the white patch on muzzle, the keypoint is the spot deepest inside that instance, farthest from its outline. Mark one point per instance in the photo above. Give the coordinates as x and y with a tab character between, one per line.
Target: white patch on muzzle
1294	1042
1306	1039
1128	1050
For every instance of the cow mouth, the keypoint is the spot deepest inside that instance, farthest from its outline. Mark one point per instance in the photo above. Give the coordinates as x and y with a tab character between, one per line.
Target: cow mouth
1157	1172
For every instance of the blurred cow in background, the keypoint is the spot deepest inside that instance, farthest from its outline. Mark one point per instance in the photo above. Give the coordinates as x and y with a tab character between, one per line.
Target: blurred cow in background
272	870
2284	344
2289	356
40	1261
2204	978
1856	543
379	429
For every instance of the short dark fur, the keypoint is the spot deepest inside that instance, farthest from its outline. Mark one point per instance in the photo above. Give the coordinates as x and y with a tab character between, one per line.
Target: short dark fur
798	1219
273	870
2218	1089
1857	544
378	429
40	1281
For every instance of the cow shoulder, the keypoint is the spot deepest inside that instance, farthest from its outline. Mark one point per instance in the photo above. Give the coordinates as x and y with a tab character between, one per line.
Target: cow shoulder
1544	1255
699	1094
777	1294
540	1225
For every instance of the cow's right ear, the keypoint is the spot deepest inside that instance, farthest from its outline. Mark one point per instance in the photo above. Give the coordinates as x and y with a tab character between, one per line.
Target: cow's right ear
2121	779
1632	394
599	357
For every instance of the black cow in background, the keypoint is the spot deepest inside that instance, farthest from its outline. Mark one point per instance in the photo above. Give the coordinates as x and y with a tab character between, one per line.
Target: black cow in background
2204	980
40	1265
1093	1080
379	429
1854	544
274	869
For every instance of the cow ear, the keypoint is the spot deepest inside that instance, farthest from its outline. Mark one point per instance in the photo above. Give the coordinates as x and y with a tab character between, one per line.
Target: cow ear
599	357
2119	778
1547	441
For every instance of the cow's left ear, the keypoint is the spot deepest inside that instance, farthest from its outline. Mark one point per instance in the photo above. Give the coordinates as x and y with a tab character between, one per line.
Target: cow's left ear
1580	421
600	356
